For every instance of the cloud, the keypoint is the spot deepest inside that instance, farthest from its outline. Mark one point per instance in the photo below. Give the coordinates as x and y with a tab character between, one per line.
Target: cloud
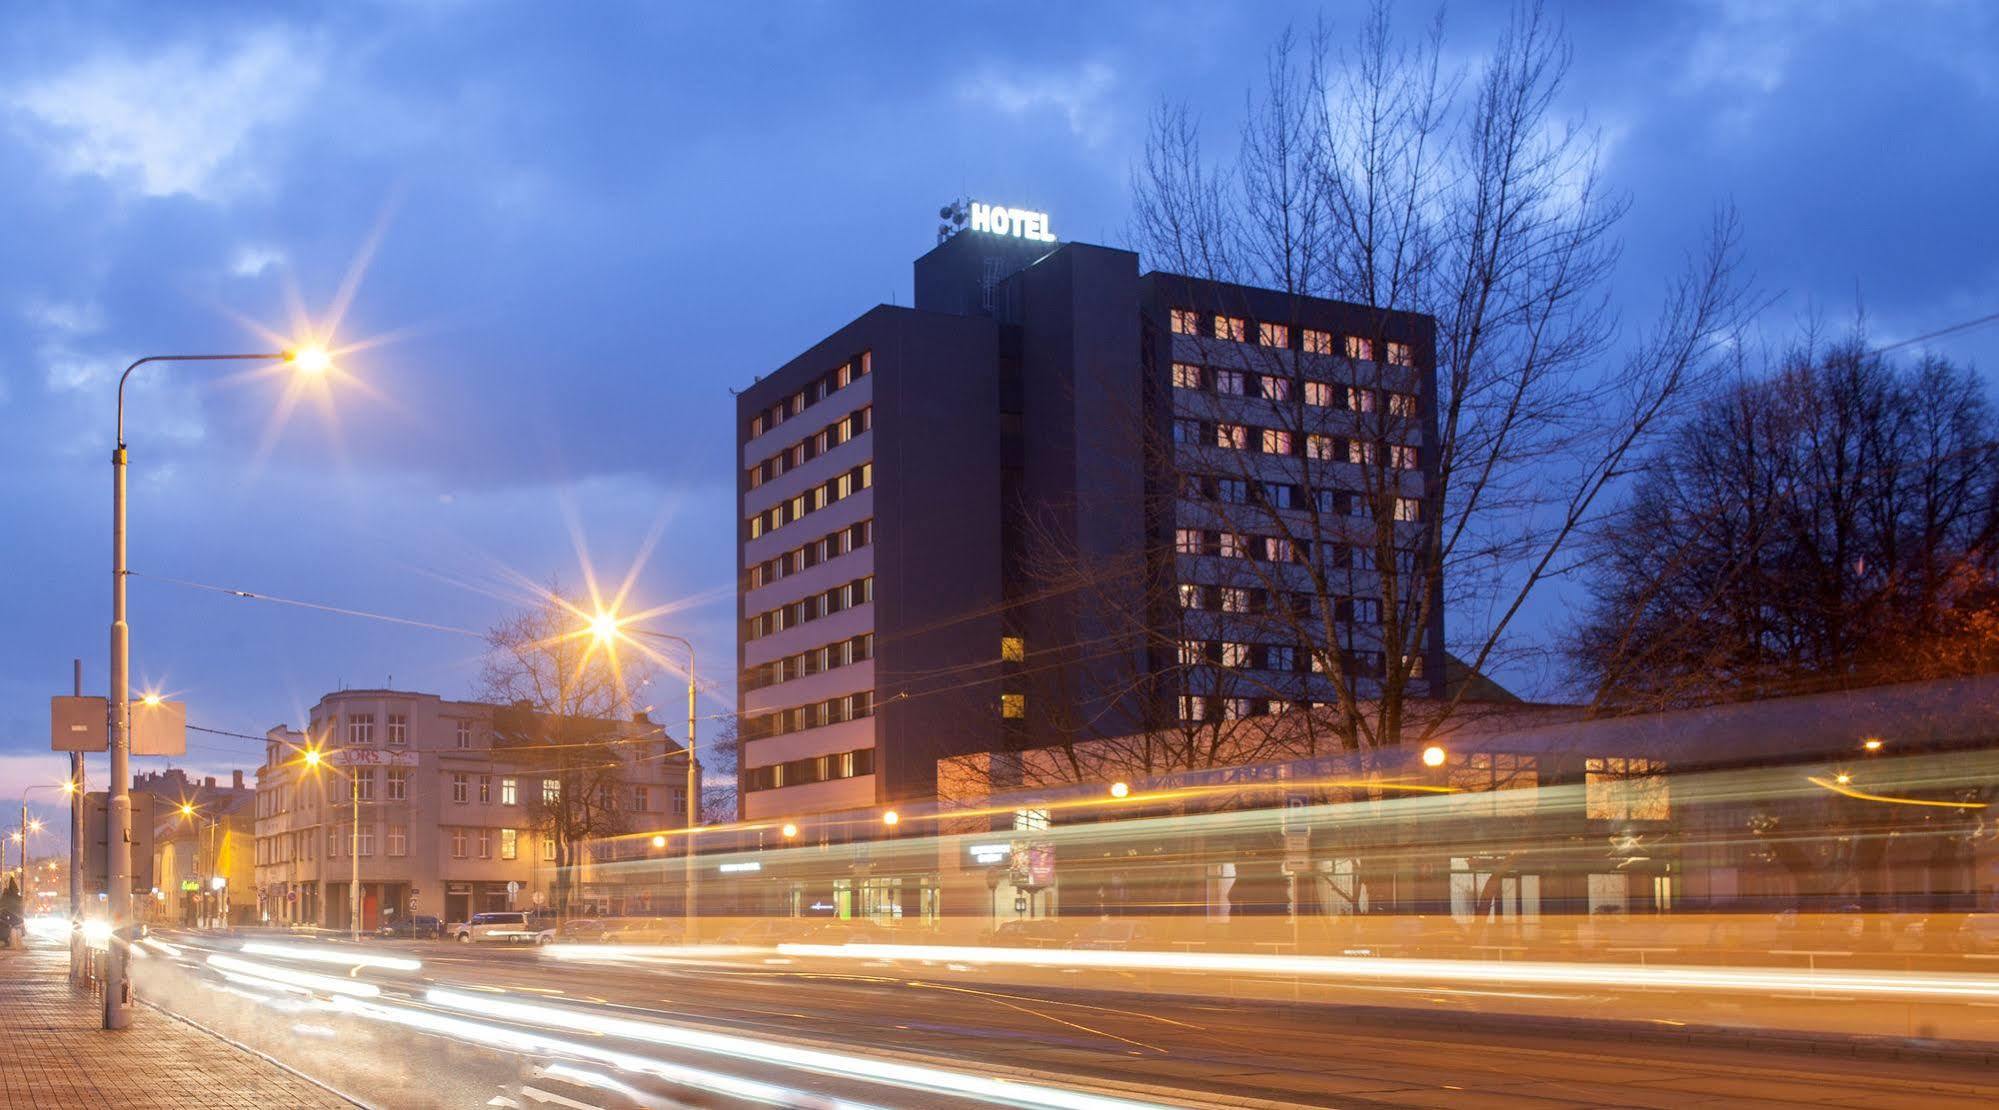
253	259
1077	95
173	121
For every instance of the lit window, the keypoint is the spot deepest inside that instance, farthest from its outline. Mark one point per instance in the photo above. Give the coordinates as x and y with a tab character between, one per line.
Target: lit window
1398	353
509	793
1231	327
485	790
1625	789
1186	376
1360	348
1363	454
1013	649
1360	400
1234	654
1185	322
1187	541
1317	342
548	848
1013	706
1232	435
1274	388
1273	335
1235	600
551	792
1276	441
1193	653
510	843
1402	404
1235	545
1402	456
1193	708
1319	447
1190	596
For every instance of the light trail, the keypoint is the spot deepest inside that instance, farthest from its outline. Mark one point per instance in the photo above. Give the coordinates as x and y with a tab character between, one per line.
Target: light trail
1620	976
324	955
307	979
838	1064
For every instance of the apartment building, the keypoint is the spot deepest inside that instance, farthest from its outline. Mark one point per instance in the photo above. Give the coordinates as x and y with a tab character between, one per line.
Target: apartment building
447	794
1060	499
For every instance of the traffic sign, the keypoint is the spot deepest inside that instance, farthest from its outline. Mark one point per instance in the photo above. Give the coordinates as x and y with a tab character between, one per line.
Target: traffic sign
535	898
513	888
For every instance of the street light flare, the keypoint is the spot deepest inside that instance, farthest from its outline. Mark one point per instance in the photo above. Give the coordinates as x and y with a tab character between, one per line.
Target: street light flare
658	841
1120	789
311	359
604	626
151	699
891	818
789	830
1433	756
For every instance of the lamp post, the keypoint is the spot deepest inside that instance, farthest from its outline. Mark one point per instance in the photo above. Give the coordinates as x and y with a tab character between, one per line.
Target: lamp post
118	815
314	760
606	628
28	827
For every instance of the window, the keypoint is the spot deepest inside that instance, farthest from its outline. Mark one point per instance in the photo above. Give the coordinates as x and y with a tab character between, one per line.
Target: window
461	787
1280	657
1273	335
1190	596
1398	353
1186	431
1234	599
399	729
1360	348
399	784
1408	509
1625	789
1186	376
510	843
1013	706
509	794
1235	491
551	792
1317	342
1234	545
1229	381
1360	400
1319	447
548	848
1013	649
361	730
641	799
1401	404
399	840
1193	708
485	789
1319	393
1232	435
485	844
1402	456
1185	322
1274	388
1276	441
367	841
1363	454
1187	541
464	737
458	844
364	784
1366	610
1231	327
1234	654
1193	653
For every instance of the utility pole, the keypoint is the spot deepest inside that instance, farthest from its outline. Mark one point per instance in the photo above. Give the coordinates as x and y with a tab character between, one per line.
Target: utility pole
77	954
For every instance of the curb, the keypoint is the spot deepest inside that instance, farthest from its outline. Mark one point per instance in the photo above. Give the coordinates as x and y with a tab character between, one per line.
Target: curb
259	1054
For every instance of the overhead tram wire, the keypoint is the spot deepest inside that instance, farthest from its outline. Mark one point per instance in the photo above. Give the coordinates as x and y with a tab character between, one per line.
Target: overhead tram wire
247	595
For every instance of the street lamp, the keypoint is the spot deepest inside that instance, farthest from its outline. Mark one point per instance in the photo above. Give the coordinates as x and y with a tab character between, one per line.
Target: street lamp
1120	790
789	831
35	826
314	760
118	830
1433	756
606	628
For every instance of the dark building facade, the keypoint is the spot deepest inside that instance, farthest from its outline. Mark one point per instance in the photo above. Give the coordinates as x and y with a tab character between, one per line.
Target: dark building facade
1057	499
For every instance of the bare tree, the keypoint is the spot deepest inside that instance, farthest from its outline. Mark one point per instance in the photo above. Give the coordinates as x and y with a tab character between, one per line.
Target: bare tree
1354	501
566	707
1829	523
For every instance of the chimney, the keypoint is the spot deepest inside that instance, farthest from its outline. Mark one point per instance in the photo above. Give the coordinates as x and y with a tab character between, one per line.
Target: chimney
239	779
641	718
209	782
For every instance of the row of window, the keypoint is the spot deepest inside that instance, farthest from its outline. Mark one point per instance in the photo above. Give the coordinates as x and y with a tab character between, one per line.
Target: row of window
341	842
1255	599
813	500
1238	329
1285	495
1284	549
832	711
844	596
829	657
1277	388
361	733
804	772
1283	658
1282	441
822	550
811	447
828	384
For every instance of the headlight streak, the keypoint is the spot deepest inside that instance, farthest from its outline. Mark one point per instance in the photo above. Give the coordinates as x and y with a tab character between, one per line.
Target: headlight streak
307	979
653	953
519	1041
914	1076
322	955
1679	976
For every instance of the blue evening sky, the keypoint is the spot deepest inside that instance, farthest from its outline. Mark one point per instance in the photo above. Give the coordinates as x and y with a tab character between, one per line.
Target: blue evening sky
579	225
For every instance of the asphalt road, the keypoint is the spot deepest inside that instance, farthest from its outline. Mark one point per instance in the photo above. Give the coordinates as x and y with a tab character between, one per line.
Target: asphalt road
1141	1047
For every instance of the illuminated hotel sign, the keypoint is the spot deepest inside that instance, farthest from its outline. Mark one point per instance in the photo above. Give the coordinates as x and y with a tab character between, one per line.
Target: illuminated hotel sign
1016	222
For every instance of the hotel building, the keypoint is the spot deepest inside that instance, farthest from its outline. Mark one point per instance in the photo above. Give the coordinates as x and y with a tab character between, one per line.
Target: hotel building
1026	511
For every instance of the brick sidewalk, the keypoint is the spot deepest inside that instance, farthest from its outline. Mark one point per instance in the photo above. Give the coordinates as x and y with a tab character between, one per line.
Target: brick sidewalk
54	1053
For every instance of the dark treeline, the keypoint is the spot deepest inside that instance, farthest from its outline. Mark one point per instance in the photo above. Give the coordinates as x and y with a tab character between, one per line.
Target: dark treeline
1828	523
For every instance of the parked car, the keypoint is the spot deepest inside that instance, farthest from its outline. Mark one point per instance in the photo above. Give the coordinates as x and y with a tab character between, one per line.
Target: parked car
509	926
413	927
582	930
642	930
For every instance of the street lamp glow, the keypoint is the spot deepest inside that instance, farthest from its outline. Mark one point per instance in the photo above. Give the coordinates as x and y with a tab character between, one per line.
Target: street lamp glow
69	786
658	841
217	883
604	626
35	824
1433	756
789	830
310	360
187	809
1120	789
312	757
1872	743
891	818
1842	778
151	699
